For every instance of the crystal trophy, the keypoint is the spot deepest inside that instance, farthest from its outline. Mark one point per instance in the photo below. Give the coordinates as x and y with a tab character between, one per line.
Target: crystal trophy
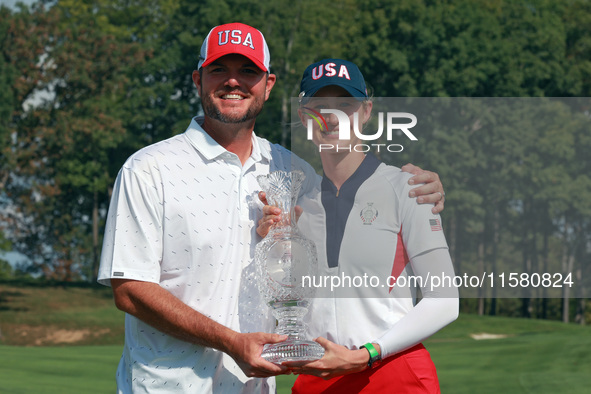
282	259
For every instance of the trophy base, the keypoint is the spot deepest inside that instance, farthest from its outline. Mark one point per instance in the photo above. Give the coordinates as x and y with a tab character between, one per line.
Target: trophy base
292	350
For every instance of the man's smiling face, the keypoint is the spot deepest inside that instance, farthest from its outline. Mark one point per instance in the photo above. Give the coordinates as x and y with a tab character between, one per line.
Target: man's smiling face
233	89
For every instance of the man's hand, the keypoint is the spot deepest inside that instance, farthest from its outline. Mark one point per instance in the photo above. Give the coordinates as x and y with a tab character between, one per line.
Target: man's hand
246	350
337	361
429	193
271	215
158	307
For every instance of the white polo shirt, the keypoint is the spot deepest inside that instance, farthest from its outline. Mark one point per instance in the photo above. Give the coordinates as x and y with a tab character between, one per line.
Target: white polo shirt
370	228
183	214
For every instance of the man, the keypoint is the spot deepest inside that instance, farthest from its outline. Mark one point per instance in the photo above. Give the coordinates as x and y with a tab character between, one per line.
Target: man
180	235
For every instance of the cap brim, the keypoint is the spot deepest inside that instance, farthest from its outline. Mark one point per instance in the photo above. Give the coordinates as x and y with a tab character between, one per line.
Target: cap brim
354	92
212	59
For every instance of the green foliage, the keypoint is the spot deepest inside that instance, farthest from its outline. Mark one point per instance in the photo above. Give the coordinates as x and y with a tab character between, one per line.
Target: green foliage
6	270
64	146
8	74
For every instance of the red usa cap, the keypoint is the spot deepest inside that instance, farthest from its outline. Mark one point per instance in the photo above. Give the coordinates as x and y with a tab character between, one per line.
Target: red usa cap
235	38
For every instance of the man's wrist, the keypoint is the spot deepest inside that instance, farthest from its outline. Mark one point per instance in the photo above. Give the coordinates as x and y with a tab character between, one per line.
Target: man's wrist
227	341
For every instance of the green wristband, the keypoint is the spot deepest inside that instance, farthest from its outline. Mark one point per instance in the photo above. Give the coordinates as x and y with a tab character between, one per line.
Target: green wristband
374	356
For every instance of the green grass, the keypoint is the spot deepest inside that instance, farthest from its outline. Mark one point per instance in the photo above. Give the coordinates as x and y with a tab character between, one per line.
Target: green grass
46	315
536	356
64	370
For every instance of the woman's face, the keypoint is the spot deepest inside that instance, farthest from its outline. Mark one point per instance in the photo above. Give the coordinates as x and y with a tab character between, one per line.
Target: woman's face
326	134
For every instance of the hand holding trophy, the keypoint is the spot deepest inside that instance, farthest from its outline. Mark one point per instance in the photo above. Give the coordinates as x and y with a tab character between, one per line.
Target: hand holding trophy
282	258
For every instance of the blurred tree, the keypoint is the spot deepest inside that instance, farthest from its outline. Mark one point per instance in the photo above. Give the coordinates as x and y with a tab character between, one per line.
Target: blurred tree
63	144
23	74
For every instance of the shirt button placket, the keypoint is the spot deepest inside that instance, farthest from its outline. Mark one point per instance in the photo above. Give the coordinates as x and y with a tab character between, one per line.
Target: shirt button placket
242	190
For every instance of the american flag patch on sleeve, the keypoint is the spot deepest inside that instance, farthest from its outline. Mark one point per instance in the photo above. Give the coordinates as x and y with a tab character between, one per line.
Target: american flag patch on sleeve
435	224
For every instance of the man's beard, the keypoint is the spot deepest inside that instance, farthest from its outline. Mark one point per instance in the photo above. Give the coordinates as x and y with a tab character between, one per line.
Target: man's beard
211	111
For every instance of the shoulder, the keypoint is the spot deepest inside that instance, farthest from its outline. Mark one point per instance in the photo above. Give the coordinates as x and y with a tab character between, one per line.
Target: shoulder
150	164
276	151
282	159
394	176
159	152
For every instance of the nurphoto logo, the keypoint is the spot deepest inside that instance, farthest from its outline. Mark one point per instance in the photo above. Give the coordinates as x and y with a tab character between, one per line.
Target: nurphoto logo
344	127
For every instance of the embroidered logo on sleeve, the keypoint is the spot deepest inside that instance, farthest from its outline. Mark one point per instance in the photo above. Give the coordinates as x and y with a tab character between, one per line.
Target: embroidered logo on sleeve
118	273
435	224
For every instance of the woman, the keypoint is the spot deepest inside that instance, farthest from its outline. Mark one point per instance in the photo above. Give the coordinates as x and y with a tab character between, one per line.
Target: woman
365	225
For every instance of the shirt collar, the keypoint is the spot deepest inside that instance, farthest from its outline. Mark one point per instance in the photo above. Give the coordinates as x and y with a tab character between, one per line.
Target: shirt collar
210	149
366	169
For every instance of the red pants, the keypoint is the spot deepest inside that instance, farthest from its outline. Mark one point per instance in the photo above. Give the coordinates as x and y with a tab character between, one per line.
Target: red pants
411	371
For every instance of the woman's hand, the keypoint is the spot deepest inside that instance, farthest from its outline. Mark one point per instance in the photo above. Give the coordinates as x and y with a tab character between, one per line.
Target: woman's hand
337	360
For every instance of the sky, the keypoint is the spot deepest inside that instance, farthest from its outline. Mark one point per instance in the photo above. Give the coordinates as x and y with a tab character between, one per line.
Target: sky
12	3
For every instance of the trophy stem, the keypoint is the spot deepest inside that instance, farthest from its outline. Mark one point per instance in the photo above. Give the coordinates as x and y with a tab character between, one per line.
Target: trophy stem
289	315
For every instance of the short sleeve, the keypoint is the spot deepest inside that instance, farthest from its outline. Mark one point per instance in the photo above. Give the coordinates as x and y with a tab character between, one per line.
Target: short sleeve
132	245
421	229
